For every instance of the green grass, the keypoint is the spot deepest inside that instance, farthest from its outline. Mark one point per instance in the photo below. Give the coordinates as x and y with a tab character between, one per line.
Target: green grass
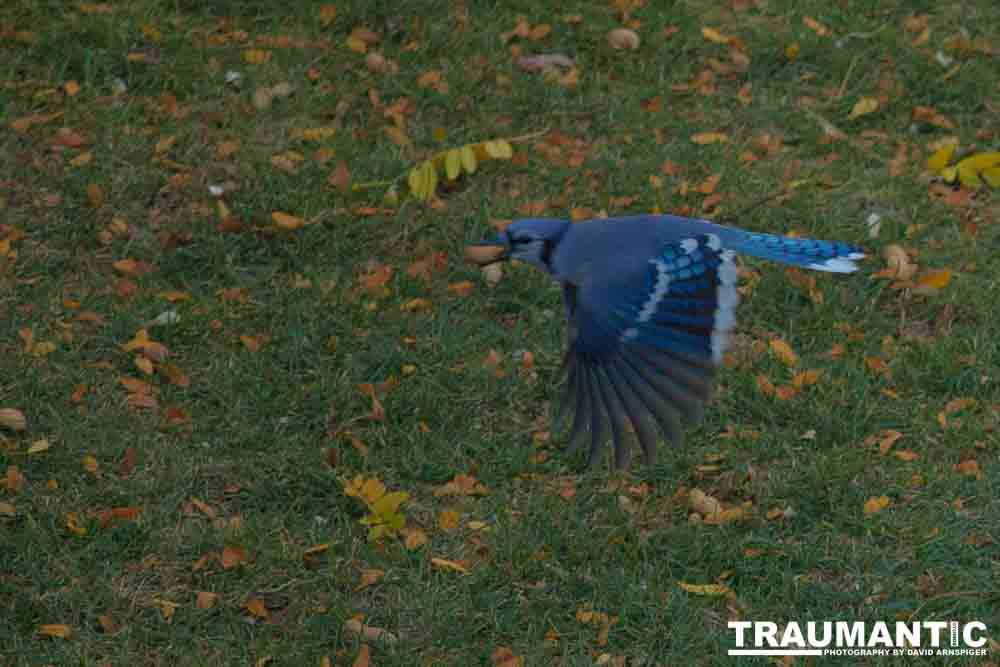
260	437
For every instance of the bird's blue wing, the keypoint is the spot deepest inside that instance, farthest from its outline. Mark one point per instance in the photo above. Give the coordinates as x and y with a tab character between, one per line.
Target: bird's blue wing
644	343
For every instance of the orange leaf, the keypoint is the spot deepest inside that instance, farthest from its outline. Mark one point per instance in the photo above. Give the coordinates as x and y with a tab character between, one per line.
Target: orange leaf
364	658
53	630
784	352
287	221
874	505
206	599
257	608
703	138
807	377
816	26
935	279
233	556
448	520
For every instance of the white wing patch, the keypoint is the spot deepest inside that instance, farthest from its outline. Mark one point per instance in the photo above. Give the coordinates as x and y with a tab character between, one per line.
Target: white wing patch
838	264
659	290
727	299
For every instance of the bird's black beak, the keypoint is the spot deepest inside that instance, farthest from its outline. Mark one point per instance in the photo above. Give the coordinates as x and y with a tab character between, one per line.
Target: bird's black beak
488	252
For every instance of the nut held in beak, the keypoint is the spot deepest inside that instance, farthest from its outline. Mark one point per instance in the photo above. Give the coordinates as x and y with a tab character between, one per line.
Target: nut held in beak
484	254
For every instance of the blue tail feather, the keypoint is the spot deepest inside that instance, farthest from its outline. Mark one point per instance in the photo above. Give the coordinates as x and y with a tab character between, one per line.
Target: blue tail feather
833	256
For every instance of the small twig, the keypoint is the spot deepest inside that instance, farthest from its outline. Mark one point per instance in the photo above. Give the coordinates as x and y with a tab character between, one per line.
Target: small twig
953	594
843	84
760	202
530	135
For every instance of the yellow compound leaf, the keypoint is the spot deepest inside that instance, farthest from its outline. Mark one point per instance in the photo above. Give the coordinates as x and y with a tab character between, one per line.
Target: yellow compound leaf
991	176
939	160
468	157
499	149
453	164
968	176
981	161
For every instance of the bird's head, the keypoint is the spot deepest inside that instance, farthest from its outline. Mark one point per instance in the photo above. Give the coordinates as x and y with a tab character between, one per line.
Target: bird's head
531	240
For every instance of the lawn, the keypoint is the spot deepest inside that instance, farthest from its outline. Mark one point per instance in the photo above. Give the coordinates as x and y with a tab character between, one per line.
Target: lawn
229	331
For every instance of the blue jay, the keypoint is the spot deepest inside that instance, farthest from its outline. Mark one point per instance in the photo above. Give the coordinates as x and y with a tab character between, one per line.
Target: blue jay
650	302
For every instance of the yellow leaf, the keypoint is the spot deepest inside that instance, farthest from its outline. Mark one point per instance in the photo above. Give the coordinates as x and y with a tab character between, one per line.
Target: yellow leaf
53	630
705	589
313	133
287	221
357	45
444	564
784	352
498	149
862	107
144	364
939	160
396	135
981	161
468	156
992	176
72	88
39	446
713	35
935	279
967	175
792	51
448	520
875	505
256	56
703	138
389	503
453	163
415	538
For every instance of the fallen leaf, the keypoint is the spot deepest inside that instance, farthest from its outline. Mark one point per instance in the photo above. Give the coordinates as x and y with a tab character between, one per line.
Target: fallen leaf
206	599
13	419
704	138
874	504
55	630
450	565
233	556
623	39
784	352
863	107
287	221
712	590
448	520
